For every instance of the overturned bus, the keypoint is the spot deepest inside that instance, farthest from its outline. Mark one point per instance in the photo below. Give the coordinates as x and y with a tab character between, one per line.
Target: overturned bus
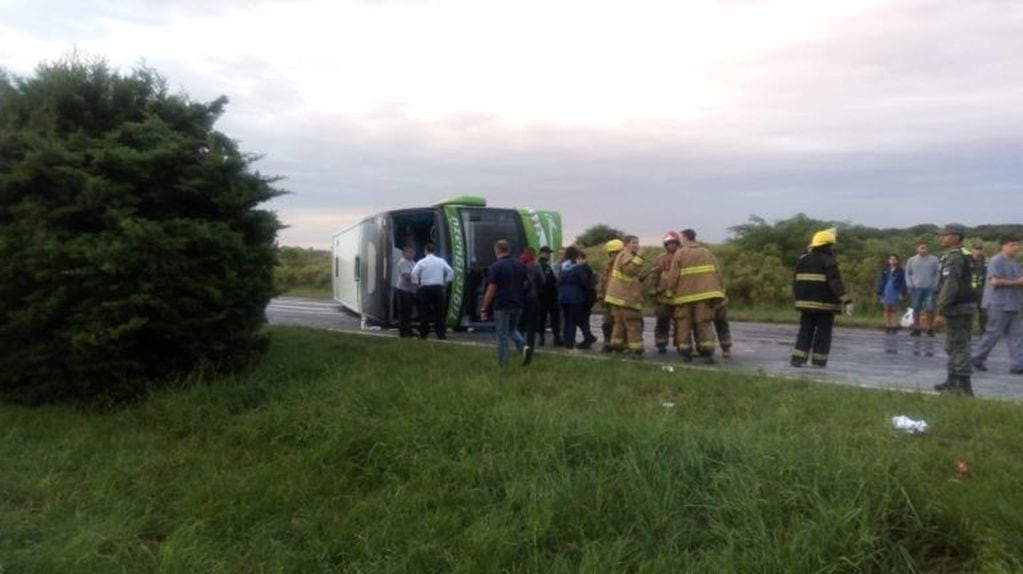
463	231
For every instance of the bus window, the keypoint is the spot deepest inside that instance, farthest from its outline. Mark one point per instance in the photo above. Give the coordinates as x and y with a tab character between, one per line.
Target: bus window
483	227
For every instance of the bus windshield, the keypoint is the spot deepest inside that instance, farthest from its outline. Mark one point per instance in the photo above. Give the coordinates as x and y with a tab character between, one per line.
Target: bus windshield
483	227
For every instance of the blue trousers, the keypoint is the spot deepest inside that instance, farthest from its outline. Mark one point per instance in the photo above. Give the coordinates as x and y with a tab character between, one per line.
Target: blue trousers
507	322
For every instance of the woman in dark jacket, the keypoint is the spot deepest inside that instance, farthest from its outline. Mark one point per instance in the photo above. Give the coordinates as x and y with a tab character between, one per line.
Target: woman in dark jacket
572	286
891	288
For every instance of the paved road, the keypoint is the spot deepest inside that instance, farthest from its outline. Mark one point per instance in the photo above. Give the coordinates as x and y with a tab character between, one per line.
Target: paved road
863	357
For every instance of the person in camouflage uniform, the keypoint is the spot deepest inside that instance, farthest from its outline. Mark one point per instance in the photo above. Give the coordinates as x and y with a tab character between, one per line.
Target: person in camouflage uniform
955	306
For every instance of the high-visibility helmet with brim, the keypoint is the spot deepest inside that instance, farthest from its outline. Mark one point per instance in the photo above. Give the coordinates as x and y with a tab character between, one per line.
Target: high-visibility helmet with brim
825	237
614	246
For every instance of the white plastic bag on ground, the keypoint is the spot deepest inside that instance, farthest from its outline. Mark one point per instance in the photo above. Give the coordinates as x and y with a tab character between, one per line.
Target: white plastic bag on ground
908	425
907	319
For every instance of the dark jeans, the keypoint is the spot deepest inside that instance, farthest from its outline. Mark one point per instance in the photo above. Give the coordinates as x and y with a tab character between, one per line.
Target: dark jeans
506	322
572	317
431	310
584	324
814	331
406	302
549	308
527	322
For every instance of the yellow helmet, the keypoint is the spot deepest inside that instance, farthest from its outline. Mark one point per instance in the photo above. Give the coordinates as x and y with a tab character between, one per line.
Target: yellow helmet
614	246
824	237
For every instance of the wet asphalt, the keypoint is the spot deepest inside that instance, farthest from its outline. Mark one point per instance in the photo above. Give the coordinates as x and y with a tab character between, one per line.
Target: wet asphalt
860	357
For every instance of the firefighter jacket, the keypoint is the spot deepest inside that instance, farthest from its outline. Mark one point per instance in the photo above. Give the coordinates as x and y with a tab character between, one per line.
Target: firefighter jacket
625	288
660	277
956	295
605	277
694	276
817	284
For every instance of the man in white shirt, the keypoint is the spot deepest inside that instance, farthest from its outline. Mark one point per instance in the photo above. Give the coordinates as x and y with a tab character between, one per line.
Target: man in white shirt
431	274
405	291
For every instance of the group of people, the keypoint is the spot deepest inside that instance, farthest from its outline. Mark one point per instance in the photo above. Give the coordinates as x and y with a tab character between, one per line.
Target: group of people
527	293
530	292
992	289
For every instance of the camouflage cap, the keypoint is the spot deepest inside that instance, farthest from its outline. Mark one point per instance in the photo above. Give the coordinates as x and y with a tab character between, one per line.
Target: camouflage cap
954	229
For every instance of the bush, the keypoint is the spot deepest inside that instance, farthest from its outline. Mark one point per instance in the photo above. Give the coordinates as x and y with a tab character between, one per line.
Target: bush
598	235
130	246
301	268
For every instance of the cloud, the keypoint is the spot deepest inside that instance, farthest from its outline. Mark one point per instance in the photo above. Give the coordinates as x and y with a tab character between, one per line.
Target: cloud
646	115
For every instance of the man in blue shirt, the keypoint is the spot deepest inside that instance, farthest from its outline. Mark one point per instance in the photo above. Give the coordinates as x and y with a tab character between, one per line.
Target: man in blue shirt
1003	294
506	289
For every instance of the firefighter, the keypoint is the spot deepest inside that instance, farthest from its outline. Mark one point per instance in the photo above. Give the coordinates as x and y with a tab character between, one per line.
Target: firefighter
613	248
625	296
659	277
955	304
695	290
819	295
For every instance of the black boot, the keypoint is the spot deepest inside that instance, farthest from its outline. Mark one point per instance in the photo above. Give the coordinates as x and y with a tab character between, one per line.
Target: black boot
964	386
945	387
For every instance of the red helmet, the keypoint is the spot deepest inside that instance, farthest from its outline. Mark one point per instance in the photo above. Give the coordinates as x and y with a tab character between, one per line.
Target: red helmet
672	236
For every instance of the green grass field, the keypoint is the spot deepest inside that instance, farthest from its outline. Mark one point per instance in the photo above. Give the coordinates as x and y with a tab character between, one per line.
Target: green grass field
343	452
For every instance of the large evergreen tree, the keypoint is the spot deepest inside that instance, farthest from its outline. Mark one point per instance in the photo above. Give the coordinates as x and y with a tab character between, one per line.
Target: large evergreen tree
131	246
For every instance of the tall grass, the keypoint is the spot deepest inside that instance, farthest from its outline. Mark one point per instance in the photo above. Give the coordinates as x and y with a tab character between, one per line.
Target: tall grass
351	453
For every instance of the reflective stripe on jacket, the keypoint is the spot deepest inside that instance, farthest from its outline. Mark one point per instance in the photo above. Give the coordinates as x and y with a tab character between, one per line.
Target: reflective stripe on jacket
817	283
624	288
694	276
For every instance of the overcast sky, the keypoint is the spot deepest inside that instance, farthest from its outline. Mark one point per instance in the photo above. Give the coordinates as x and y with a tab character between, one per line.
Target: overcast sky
647	116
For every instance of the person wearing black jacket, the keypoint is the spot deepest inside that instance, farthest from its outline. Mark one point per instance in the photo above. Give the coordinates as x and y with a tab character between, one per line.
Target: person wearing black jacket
534	293
591	299
548	299
572	284
819	295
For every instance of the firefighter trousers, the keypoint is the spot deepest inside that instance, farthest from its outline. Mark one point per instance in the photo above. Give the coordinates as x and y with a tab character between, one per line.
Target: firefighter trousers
814	333
627	331
662	328
696	318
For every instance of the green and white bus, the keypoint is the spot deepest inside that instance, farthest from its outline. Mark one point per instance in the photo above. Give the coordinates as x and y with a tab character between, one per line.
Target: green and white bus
463	231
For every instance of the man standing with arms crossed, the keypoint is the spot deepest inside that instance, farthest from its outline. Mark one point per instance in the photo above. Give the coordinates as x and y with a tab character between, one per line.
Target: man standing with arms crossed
956	303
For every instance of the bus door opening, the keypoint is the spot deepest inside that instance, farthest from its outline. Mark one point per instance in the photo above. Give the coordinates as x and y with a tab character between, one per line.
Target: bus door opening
482	228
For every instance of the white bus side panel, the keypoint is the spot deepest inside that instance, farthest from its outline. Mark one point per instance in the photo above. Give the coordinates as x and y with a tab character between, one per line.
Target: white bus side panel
345	251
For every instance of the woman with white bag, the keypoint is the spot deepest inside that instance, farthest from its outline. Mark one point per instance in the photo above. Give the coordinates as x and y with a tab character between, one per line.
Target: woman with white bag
891	288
